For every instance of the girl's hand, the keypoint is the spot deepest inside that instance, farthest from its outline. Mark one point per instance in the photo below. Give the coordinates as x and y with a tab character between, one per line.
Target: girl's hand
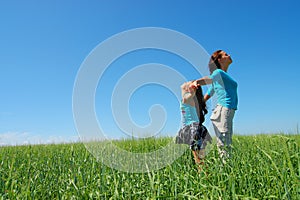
188	91
193	86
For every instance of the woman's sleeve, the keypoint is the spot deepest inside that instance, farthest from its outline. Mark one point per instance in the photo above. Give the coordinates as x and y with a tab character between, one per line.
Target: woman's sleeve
210	91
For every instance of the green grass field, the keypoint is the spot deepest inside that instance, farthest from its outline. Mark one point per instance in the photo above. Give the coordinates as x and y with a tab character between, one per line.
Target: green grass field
261	167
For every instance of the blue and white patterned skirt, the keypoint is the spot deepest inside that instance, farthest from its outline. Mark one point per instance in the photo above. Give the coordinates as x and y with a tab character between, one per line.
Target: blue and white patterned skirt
194	135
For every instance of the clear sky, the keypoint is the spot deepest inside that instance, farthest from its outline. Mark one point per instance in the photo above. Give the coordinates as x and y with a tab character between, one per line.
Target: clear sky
44	43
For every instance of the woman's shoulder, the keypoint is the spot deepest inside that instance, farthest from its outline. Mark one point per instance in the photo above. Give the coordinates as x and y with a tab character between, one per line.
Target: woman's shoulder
217	72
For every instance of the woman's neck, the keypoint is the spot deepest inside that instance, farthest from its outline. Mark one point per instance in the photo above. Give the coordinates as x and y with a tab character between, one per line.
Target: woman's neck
225	67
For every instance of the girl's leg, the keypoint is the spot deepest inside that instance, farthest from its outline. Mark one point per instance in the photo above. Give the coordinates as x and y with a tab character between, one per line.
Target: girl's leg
199	156
199	159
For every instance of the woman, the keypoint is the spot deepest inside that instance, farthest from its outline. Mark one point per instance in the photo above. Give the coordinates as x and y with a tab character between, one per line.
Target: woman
227	99
193	110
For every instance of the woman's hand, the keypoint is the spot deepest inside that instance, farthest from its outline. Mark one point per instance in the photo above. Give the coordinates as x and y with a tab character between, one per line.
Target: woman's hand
193	86
188	91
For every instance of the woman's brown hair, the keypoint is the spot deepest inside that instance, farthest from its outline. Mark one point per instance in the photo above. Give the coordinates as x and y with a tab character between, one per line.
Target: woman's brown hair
213	62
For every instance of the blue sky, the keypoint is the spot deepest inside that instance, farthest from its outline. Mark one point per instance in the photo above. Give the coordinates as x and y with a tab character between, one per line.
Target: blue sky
44	43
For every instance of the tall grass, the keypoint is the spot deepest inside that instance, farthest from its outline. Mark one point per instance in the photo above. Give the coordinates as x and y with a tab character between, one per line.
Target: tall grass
261	167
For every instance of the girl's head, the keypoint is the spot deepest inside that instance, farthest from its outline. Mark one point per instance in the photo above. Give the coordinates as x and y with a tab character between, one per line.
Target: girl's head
200	105
219	60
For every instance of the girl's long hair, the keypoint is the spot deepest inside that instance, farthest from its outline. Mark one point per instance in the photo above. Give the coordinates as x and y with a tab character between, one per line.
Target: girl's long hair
213	63
200	105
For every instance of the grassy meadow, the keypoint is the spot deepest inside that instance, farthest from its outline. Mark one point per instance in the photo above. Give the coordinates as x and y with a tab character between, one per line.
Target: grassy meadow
261	167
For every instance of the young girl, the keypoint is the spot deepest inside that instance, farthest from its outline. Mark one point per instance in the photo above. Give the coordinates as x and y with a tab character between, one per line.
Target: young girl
193	110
